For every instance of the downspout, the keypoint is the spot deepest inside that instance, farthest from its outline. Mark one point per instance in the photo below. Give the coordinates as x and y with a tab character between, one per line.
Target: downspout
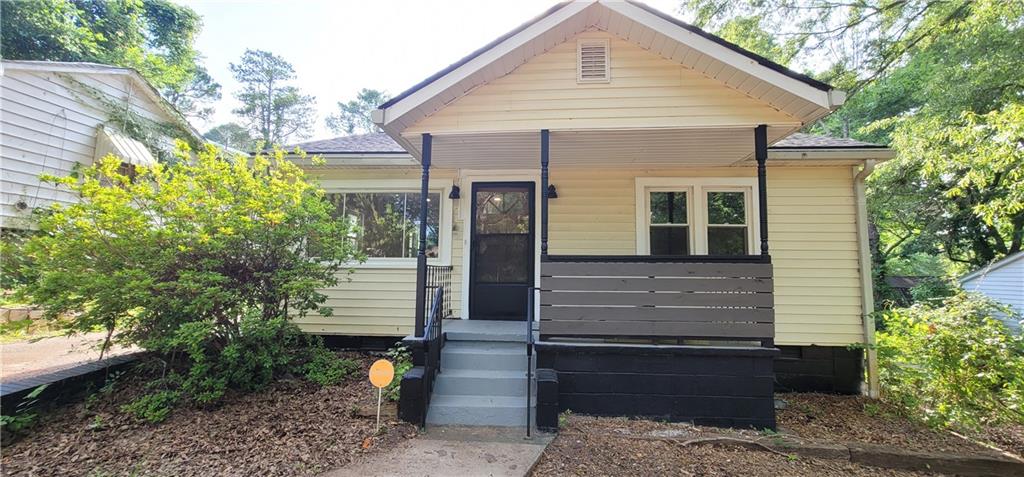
867	288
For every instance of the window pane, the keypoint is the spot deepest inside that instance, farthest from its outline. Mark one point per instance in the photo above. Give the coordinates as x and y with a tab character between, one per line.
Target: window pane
388	223
726	208
503	212
670	240
727	240
668	207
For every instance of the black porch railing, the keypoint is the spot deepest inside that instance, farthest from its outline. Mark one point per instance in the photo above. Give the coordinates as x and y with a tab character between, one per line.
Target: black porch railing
439	277
433	341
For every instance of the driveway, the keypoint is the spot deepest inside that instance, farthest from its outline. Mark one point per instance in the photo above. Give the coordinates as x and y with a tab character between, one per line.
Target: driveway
23	359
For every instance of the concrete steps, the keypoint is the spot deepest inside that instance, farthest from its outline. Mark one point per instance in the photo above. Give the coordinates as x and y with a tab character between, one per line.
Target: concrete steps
483	375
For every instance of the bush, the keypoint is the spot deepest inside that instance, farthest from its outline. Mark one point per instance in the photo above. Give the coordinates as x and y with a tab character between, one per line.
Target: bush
953	364
204	258
154	407
326	368
401	359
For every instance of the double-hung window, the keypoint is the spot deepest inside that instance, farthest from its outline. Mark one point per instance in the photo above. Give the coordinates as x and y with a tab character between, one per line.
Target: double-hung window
699	216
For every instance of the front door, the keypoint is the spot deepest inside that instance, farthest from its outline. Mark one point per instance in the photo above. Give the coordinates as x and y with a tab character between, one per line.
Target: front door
502	250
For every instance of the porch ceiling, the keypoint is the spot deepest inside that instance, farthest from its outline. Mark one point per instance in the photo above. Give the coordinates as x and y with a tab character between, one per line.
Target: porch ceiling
598	148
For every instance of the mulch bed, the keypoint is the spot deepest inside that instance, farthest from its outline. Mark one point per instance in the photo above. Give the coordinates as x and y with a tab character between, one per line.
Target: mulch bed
859	419
620	446
293	427
589	446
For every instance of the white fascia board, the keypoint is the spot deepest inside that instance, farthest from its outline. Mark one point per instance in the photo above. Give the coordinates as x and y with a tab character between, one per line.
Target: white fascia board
474	65
826	99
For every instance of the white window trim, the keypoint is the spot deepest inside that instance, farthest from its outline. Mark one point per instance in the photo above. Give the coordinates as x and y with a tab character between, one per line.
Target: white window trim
697	189
402	185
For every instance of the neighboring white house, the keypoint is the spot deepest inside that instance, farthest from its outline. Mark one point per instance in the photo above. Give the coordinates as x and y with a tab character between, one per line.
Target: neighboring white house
55	115
1003	281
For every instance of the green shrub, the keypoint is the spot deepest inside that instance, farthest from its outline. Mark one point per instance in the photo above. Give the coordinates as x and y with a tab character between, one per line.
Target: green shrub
401	358
204	258
24	416
153	407
953	364
326	368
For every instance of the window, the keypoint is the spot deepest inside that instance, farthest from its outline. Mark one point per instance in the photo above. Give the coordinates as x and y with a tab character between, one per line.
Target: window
698	216
669	223
388	222
727	223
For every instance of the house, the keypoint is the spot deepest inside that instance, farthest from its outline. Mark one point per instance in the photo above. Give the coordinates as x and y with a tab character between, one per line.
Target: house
635	193
1002	281
56	116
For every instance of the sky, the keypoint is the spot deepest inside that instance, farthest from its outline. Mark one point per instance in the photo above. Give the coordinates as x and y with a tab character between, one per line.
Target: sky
339	47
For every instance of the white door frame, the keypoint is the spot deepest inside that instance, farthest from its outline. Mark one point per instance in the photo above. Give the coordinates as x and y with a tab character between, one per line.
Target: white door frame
466	178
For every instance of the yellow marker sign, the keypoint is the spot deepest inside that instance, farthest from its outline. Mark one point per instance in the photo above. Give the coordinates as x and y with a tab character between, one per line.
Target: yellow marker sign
381	373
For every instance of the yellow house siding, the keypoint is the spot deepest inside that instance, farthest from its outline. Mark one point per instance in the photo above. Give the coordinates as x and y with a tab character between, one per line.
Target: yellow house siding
811	230
645	90
812	234
377	300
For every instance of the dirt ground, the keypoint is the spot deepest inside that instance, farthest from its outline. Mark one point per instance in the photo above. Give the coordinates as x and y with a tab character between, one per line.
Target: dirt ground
588	446
858	419
292	428
28	357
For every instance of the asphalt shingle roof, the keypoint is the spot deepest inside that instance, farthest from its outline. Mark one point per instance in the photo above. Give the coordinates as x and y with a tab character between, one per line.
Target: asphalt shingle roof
380	143
375	143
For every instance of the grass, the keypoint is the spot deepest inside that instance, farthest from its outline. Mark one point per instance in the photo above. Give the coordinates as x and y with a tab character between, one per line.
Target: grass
27	329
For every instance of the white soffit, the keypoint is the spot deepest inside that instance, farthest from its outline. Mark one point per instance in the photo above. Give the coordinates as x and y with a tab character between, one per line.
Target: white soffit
630	22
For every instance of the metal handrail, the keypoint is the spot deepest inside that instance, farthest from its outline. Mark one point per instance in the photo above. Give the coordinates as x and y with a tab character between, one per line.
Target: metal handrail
439	276
529	352
433	337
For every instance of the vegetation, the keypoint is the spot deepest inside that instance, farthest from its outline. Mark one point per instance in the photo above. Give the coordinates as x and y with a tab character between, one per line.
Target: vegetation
154	37
271	109
232	135
401	358
24	416
953	363
353	117
203	261
942	82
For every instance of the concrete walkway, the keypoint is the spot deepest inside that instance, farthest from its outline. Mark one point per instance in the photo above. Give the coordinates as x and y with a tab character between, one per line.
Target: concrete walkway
451	451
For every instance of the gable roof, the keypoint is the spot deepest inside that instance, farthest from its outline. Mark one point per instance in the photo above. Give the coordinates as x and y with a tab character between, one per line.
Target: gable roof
797	95
134	76
993	266
381	143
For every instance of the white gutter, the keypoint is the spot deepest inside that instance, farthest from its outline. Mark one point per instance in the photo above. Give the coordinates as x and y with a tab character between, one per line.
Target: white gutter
867	288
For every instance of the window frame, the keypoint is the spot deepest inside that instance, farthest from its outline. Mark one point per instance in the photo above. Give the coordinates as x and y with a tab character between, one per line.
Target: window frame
698	188
689	214
401	186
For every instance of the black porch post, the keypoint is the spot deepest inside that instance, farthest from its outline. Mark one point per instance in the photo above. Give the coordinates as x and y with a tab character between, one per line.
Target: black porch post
421	254
761	154
545	139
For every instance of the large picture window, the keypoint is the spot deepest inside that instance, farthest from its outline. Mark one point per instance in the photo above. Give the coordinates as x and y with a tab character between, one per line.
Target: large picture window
698	216
387	223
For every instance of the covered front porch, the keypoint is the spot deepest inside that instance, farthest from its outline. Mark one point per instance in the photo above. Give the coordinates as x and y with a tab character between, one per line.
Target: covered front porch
698	325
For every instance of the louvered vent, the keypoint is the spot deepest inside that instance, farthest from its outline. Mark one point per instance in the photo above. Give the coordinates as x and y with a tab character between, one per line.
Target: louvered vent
592	57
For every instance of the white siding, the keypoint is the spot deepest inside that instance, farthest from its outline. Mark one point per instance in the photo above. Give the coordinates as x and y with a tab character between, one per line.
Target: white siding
1004	284
48	124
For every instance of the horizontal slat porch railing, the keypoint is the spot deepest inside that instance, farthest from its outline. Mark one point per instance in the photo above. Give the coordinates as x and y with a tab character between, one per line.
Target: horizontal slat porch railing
712	298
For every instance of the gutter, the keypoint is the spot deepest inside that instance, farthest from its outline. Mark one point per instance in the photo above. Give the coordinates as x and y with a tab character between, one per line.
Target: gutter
867	288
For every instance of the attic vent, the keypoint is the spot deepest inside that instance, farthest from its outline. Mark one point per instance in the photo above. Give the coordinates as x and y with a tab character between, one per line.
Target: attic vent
592	61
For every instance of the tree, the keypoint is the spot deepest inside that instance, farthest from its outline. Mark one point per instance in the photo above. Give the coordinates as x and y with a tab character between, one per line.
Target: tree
232	135
271	109
943	82
154	37
205	258
196	97
354	116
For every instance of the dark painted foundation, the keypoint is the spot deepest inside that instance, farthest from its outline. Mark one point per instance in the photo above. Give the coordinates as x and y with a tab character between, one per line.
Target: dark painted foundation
716	386
367	343
821	369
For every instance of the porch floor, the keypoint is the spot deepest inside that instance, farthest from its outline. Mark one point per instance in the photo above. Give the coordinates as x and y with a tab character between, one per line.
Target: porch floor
485	330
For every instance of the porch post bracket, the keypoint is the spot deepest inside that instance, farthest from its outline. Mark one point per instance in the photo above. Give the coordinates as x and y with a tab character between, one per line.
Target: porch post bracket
761	154
421	253
545	140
